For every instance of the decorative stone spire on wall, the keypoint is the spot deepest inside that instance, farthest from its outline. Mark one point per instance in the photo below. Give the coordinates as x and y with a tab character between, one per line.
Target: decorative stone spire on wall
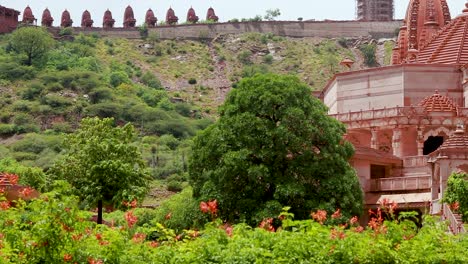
210	15
86	20
150	19
191	16
129	18
107	20
171	18
424	18
66	20
47	19
28	17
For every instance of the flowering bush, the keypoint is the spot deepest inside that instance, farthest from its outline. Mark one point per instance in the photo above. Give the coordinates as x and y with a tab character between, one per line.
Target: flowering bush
52	229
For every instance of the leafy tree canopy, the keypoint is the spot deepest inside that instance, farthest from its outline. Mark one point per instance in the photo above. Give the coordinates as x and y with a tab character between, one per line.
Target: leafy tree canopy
274	146
457	193
102	164
32	42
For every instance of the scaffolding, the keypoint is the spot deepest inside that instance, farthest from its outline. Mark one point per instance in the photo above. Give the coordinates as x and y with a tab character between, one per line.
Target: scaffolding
374	10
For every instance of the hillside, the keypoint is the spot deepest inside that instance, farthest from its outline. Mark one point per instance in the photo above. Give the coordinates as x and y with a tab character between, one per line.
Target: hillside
168	89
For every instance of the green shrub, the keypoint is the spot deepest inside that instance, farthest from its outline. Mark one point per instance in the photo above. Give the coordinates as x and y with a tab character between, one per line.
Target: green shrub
118	78
184	212
56	101
268	59
7	130
100	94
368	51
13	71
36	143
153	97
33	177
166	104
244	57
184	109
169	140
103	110
68	31
33	91
174	186
151	80
192	81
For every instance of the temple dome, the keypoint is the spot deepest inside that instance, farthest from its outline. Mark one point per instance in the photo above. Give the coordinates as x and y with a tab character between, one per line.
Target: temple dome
28	16
86	20
107	20
129	18
171	18
150	18
47	19
439	103
423	20
458	141
191	16
211	15
450	45
66	19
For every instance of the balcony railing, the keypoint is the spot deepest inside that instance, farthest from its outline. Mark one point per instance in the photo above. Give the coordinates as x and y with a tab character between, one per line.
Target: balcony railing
415	161
387	112
401	184
455	224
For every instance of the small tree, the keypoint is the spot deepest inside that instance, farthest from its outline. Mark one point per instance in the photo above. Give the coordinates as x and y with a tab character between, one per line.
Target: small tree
33	42
272	14
274	146
457	193
102	165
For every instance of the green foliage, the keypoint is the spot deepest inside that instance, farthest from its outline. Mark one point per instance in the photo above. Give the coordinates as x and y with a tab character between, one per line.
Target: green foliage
28	176
13	71
67	31
118	78
457	193
102	164
244	57
272	14
368	51
151	80
268	59
283	148
32	42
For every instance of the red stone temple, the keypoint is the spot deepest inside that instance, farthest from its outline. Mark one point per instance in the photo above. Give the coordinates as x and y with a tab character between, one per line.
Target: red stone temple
107	20
211	16
66	20
86	21
171	18
407	121
191	16
47	19
8	19
129	19
150	19
28	17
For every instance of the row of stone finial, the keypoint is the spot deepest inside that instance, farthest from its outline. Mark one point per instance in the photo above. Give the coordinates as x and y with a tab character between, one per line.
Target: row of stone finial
108	21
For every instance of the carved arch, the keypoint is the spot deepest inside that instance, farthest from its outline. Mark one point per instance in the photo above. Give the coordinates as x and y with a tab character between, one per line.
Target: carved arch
437	132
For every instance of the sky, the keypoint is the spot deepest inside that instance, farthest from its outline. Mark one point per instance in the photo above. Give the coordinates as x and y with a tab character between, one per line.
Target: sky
225	9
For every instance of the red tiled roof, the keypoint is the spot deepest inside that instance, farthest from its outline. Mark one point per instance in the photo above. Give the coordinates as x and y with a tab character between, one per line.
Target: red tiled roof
439	103
459	140
367	152
450	45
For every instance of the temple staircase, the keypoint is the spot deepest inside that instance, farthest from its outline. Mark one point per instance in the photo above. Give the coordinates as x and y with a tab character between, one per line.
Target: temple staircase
455	221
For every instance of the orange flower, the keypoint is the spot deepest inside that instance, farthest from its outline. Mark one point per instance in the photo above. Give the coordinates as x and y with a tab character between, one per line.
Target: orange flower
131	219
12	178
267	224
95	261
67	257
336	214
4	205
154	244
168	216
353	220
320	216
204	207
139	237
26	192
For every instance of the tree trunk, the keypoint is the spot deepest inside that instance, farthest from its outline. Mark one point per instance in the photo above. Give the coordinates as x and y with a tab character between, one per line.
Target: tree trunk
99	215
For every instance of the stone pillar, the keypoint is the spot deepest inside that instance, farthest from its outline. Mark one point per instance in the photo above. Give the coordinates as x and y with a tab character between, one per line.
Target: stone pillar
435	186
444	174
374	138
396	142
420	141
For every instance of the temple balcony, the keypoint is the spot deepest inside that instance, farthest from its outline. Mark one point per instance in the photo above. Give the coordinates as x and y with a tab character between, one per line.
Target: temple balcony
418	183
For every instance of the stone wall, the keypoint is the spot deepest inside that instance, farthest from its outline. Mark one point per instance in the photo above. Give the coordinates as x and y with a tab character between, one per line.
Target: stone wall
327	29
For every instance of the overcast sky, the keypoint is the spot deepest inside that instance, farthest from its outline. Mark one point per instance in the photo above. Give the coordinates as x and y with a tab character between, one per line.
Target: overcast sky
225	9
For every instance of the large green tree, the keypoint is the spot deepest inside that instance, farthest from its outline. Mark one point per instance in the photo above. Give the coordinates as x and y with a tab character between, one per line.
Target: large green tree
274	146
31	42
102	164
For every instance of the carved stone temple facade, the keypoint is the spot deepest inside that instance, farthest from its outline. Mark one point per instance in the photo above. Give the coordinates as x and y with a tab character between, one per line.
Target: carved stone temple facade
407	121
